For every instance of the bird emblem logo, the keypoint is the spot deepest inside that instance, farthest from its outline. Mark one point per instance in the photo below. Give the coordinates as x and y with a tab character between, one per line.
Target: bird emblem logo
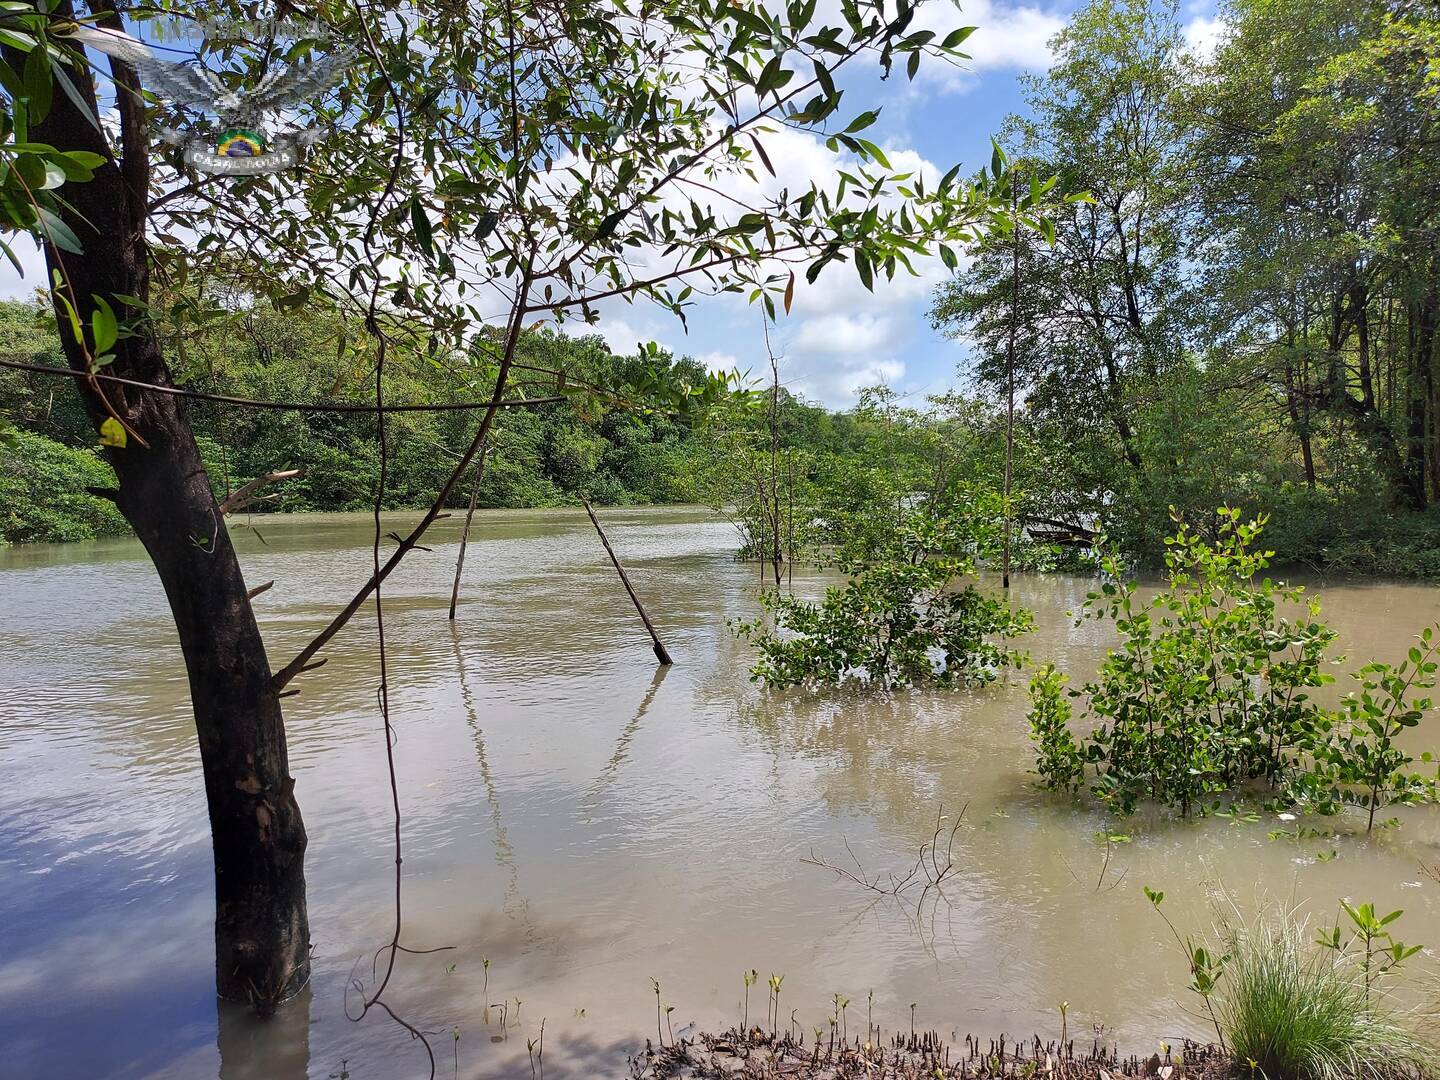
246	136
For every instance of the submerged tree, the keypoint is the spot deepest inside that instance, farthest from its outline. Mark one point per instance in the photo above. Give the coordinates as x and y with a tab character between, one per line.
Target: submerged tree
899	620
493	165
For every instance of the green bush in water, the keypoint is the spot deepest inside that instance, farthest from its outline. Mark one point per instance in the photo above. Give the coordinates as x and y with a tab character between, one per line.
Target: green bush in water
1210	689
896	622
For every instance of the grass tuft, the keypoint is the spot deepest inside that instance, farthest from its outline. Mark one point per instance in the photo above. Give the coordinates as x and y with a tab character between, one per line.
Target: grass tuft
1290	1011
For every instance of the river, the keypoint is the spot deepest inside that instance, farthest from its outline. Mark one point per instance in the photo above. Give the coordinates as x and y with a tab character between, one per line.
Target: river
584	822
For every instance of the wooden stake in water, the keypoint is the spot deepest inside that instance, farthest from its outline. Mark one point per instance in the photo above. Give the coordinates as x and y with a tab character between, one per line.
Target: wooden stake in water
465	536
1010	367
660	652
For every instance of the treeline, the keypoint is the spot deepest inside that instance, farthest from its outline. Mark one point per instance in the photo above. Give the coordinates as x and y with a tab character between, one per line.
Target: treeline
1246	312
545	456
765	457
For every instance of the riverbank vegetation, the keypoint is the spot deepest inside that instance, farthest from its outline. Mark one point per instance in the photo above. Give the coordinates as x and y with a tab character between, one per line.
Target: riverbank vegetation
1246	312
1284	1002
541	457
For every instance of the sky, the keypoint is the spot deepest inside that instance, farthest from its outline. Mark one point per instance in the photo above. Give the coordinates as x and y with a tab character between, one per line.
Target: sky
839	338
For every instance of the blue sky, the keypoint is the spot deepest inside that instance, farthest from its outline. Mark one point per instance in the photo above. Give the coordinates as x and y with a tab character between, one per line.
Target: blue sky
838	337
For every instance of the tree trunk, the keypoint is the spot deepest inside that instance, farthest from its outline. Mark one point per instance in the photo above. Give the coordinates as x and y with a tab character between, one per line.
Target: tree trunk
1427	333
262	934
1298	423
262	938
1117	408
1407	488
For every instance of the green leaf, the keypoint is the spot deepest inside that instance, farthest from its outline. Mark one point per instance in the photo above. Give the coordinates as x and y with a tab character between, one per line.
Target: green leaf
70	168
772	77
421	223
81	105
19	40
38	88
862	267
957	37
85	159
764	157
59	233
104	330
112	433
863	121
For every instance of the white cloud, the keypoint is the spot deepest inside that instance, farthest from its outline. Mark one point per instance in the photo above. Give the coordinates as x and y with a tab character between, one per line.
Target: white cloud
1006	37
838	383
621	336
718	361
13	285
1009	37
838	334
881	371
1202	35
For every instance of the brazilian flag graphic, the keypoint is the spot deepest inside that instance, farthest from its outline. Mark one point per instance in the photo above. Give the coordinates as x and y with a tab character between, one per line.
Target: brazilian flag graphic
240	142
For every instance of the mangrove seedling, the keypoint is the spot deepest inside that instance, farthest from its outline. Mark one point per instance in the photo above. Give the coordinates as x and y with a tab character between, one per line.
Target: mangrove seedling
775	981
1380	954
1205	967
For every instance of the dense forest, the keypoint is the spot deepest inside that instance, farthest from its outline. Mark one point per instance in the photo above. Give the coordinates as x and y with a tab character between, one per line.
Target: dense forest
1245	311
837	465
541	457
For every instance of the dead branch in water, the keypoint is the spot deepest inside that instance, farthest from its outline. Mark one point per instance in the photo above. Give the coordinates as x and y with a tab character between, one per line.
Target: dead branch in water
661	653
1104	870
929	871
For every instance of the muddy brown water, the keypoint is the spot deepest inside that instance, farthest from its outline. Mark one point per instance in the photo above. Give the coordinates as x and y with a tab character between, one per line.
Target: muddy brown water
585	823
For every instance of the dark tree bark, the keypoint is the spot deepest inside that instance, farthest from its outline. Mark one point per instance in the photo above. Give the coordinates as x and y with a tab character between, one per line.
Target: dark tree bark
1349	311
261	928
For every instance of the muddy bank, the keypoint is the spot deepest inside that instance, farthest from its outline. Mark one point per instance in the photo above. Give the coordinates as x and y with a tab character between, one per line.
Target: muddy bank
757	1055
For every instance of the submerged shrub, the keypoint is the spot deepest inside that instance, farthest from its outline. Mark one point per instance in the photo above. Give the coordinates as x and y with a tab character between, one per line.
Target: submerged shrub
1354	759
1210	689
897	621
1061	761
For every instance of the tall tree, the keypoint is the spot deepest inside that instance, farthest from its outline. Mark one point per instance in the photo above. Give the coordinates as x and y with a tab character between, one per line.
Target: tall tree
1316	195
1096	322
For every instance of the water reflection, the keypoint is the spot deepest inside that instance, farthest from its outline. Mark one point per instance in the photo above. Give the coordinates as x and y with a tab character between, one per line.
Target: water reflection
273	1049
516	906
581	819
622	744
